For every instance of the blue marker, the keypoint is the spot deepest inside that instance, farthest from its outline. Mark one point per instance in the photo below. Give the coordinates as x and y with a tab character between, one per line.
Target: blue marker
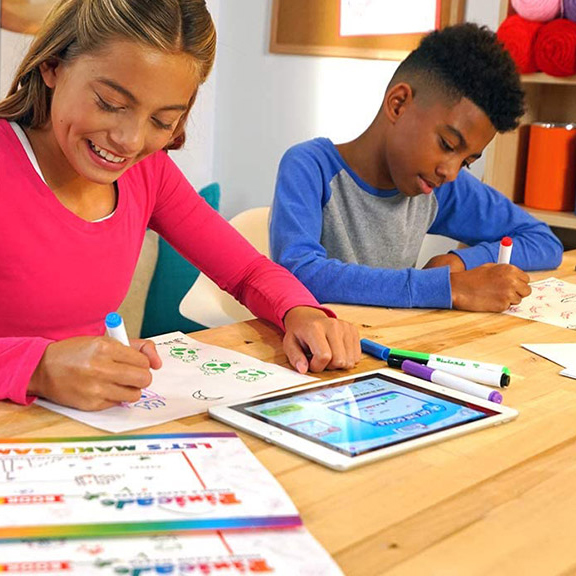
115	328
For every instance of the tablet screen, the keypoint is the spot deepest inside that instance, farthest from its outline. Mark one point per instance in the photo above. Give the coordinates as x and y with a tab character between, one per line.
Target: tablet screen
363	414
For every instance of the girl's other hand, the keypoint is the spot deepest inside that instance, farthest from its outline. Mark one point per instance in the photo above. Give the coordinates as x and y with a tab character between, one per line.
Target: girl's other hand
93	373
331	344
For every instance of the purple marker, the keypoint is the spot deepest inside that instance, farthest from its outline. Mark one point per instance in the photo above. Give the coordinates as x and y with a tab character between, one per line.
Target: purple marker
451	381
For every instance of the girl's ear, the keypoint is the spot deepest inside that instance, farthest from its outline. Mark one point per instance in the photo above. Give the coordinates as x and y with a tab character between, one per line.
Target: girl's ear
49	70
397	99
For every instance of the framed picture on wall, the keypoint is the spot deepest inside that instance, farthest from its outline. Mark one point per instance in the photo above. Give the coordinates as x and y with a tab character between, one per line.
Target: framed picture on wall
380	29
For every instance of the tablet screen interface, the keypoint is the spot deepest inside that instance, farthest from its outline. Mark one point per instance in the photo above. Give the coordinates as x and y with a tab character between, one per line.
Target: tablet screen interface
364	414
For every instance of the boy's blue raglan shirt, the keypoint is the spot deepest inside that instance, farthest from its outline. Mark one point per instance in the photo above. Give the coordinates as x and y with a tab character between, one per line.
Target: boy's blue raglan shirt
352	243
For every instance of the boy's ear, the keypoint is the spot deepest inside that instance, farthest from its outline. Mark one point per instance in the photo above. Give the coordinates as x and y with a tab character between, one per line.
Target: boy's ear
397	99
49	71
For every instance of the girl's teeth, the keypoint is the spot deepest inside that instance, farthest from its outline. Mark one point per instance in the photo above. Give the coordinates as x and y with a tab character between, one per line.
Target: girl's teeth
106	155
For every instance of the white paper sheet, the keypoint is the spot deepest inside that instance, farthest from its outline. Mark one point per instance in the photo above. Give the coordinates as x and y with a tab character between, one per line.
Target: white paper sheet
292	552
552	301
562	354
569	372
194	376
135	485
369	17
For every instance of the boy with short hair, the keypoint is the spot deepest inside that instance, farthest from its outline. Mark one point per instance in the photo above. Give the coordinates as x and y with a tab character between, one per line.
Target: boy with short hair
349	220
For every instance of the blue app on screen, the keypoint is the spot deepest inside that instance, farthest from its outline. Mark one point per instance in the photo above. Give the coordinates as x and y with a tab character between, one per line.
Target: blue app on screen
365	414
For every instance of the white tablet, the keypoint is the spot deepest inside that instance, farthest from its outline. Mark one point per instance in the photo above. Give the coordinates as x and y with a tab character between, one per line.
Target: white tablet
351	421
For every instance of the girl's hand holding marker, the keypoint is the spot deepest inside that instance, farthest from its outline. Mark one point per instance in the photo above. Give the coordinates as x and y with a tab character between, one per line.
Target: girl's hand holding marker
95	372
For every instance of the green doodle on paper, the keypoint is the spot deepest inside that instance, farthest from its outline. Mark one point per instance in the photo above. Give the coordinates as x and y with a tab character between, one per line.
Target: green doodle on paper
251	375
184	354
216	367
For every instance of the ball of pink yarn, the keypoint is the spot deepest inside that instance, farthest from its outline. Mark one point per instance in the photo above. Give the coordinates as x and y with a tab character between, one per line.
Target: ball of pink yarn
539	10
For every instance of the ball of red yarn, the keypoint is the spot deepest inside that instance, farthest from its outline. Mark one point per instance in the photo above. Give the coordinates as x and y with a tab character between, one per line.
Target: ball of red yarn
555	48
518	36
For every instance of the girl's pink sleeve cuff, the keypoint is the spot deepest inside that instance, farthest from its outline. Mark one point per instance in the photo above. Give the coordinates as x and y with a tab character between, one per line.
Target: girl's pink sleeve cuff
19	357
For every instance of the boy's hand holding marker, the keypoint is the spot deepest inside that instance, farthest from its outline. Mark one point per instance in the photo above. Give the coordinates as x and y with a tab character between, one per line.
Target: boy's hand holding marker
488	288
95	372
505	250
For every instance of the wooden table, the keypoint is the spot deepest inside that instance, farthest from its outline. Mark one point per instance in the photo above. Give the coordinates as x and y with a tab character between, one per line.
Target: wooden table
500	501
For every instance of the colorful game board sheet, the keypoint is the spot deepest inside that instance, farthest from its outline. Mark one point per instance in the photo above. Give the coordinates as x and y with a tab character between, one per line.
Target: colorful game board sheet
193	377
128	485
292	552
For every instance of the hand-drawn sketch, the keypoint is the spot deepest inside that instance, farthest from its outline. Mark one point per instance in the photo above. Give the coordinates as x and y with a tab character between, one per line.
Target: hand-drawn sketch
183	387
552	301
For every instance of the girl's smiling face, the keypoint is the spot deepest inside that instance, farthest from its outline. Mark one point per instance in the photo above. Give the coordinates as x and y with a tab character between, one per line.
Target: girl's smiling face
111	109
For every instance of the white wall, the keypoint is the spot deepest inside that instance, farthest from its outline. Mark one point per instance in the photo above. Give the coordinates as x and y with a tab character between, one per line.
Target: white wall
267	102
196	159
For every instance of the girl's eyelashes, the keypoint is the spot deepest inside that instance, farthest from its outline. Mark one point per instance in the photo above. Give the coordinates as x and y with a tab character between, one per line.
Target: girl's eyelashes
162	125
106	106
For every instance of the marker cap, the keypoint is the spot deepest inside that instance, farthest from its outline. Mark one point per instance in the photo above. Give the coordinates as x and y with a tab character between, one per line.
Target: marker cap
506	241
416	369
374	349
396	357
495	397
113	320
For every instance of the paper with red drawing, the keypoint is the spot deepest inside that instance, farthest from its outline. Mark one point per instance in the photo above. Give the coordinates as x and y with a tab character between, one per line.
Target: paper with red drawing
552	301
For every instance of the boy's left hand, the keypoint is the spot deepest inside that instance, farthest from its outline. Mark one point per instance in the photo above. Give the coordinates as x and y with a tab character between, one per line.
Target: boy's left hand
332	344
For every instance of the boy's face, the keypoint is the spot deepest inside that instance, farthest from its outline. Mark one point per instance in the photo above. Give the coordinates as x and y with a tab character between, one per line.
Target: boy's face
431	140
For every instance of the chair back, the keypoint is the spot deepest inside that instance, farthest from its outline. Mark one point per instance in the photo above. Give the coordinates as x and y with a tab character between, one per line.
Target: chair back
205	303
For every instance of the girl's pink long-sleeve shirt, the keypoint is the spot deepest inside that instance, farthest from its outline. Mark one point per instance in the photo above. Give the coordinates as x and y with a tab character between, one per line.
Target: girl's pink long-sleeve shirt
60	275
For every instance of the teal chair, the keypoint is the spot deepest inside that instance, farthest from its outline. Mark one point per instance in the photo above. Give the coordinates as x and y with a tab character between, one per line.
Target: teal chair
172	278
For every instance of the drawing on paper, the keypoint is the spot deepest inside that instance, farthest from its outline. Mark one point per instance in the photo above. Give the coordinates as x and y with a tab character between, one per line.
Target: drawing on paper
215	367
251	374
199	396
552	301
183	353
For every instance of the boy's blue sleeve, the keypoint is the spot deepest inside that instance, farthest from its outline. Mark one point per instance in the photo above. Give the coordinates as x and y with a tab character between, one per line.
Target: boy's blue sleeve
479	216
295	232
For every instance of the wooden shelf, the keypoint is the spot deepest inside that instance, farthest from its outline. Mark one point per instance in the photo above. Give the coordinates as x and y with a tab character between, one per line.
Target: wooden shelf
553	218
549	99
541	78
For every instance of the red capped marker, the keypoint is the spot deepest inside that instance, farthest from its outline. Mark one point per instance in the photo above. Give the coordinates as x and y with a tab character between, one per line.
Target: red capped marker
505	252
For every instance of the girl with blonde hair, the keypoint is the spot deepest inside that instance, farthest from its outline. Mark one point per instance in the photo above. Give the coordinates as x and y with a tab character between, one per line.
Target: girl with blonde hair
103	93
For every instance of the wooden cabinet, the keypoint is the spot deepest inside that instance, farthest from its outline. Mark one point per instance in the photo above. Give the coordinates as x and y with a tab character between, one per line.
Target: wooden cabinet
548	99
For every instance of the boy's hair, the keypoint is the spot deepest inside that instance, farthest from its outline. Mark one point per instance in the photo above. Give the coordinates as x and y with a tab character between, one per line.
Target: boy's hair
77	27
467	61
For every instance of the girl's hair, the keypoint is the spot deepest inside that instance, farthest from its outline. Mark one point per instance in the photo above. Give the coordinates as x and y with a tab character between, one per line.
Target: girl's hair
77	27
